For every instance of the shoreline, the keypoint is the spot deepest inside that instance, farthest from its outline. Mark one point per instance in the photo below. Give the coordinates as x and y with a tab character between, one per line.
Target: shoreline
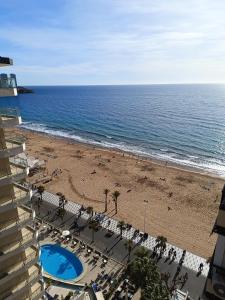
147	158
182	203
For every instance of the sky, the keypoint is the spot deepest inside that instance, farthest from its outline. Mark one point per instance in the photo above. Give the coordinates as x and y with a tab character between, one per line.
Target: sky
79	42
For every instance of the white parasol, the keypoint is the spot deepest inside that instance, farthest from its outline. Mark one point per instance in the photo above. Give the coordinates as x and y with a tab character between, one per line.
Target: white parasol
66	233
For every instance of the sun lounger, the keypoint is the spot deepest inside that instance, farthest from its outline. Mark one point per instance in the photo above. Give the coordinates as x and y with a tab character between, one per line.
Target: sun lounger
74	243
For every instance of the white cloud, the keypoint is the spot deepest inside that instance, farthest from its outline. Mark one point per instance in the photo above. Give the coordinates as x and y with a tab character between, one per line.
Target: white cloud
124	40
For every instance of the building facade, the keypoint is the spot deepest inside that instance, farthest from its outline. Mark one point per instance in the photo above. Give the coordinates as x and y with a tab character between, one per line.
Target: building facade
20	273
215	284
8	83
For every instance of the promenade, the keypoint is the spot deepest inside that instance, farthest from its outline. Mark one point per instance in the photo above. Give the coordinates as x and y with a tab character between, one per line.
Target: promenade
114	246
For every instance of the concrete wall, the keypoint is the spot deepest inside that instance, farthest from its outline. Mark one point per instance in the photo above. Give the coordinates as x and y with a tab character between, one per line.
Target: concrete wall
5	92
7	190
13	282
4	165
11	238
9	215
221	218
219	257
2	138
12	261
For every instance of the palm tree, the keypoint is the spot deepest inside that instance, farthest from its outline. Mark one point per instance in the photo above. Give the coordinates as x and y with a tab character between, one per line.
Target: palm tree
161	242
48	282
59	194
129	246
142	252
156	290
121	225
62	200
61	212
106	191
138	271
90	210
94	226
115	196
40	191
144	274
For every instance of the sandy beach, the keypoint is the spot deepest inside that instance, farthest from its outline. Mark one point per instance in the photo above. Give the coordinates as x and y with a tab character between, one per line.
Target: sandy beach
182	205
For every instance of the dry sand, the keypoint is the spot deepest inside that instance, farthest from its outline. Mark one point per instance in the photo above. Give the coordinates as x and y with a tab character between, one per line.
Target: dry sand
182	205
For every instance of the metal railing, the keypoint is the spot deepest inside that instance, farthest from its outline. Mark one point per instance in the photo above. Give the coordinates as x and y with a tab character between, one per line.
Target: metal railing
22	162
9	112
16	166
11	142
8	82
5	225
16	196
6	60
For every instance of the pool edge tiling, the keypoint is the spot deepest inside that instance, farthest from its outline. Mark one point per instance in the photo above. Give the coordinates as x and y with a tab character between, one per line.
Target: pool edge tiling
73	265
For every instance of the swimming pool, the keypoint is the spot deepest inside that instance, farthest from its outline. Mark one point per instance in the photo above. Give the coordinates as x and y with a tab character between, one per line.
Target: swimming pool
60	263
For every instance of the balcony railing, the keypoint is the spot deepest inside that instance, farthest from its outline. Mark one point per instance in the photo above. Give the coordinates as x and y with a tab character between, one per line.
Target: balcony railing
22	264
24	284
11	142
9	223
17	167
18	161
9	112
8	82
36	292
6	60
21	242
19	193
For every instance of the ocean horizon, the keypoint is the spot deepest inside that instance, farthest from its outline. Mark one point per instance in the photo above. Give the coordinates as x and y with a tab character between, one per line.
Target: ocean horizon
178	123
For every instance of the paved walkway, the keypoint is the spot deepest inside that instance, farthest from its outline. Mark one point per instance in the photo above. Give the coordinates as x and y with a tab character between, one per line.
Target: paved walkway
191	261
115	246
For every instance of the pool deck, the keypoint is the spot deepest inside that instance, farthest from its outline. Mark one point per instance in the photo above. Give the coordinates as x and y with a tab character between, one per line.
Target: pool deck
91	270
114	246
77	280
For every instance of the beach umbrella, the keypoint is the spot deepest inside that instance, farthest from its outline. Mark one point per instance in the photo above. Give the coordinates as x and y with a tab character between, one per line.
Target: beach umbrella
66	233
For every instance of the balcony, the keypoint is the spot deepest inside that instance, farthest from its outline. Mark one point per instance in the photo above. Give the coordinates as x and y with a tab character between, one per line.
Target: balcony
219	226
11	224
37	291
21	290
12	147
20	195
28	238
17	171
8	85
5	61
9	117
31	258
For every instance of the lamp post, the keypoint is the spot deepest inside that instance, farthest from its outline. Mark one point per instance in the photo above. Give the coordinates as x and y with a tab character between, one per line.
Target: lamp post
146	202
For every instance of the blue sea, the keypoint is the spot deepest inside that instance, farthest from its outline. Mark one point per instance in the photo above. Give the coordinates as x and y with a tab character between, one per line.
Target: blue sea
182	124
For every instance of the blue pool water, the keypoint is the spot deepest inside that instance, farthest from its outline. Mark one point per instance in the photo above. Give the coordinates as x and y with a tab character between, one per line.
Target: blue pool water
60	263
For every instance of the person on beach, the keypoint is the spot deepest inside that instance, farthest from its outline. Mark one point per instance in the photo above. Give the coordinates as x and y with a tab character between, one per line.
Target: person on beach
200	268
184	253
174	255
170	253
184	280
